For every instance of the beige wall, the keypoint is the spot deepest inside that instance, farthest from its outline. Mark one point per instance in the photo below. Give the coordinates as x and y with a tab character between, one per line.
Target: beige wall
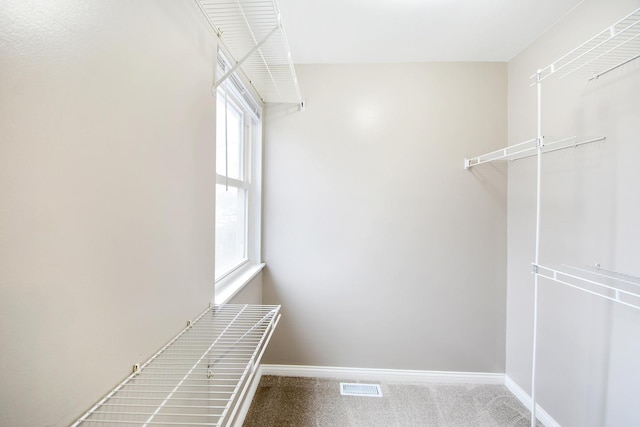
106	194
587	373
383	251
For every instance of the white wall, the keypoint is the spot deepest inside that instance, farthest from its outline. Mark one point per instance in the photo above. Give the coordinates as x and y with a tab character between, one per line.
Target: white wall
383	251
107	164
587	373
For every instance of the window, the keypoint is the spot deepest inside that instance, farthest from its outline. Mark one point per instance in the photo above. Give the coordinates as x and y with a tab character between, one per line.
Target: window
238	151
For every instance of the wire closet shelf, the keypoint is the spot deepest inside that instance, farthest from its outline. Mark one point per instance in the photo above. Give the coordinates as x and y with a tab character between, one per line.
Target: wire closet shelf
252	36
608	50
617	287
199	378
529	148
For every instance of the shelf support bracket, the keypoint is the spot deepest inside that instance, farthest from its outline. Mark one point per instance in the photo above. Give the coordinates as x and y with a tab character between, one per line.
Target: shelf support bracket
239	63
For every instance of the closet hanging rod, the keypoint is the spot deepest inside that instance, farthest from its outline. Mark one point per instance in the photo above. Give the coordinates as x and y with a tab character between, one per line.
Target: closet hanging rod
615	67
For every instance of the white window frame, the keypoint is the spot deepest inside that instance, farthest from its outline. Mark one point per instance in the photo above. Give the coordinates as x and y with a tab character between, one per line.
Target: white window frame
232	281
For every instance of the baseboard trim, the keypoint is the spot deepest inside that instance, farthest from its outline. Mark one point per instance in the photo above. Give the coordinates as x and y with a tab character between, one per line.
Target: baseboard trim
396	375
524	397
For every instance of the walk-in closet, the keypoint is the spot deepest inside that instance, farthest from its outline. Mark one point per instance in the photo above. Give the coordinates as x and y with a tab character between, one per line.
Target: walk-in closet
339	213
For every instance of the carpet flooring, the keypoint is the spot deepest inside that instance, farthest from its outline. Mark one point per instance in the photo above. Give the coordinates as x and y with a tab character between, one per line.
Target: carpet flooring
314	402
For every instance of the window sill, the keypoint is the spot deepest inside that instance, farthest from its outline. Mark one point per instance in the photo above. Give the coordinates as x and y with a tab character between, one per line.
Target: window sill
228	287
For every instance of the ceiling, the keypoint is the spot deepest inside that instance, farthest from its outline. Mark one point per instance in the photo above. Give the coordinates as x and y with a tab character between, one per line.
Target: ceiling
375	31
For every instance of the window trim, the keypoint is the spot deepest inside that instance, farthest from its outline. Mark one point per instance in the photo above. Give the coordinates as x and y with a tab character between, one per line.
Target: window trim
229	287
243	182
232	281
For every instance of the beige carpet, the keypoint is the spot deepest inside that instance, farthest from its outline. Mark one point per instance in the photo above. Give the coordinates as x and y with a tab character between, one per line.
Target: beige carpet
302	402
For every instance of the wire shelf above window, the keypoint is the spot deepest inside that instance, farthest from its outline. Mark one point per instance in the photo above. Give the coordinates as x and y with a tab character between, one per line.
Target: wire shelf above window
251	33
529	148
610	49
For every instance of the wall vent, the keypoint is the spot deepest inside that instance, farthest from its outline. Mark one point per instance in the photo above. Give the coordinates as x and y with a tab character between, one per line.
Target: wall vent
355	389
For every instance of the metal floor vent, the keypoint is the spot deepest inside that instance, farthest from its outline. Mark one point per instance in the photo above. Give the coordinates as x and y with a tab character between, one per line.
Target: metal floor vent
355	389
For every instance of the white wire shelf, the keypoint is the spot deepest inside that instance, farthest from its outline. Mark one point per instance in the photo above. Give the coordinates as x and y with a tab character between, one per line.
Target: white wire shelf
610	285
529	148
608	50
199	378
252	35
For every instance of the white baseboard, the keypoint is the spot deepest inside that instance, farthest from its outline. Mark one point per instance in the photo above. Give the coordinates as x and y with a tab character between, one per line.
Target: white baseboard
524	397
395	375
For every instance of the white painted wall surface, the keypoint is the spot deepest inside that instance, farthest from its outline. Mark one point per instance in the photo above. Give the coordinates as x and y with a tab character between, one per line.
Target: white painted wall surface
107	164
587	373
383	251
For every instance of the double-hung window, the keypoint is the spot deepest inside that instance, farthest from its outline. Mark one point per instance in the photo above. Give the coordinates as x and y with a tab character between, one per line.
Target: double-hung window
238	155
